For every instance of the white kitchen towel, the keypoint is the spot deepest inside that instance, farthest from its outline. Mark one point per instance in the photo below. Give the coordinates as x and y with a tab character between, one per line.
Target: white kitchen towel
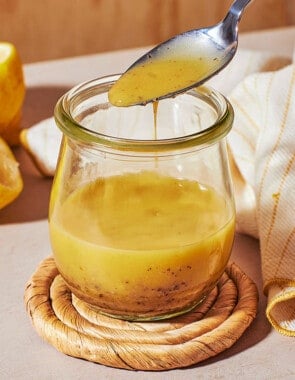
262	143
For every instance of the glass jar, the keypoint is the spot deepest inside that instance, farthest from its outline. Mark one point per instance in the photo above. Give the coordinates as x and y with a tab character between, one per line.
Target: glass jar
141	212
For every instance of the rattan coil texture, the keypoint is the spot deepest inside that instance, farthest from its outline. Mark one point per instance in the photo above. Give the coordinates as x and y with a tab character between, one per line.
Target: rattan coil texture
77	330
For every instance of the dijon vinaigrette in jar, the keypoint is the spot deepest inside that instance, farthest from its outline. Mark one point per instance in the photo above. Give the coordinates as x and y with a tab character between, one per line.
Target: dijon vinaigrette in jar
142	221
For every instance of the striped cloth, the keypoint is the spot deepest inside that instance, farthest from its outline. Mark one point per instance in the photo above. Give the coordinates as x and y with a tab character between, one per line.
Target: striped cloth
262	144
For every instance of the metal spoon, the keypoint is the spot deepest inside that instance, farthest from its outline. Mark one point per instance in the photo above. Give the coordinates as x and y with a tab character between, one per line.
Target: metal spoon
216	45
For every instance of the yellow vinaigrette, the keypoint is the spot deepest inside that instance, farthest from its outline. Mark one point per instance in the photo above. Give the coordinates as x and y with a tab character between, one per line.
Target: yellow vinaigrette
142	241
157	78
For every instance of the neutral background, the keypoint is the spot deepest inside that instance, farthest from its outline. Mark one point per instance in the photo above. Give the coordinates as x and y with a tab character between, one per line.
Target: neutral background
49	29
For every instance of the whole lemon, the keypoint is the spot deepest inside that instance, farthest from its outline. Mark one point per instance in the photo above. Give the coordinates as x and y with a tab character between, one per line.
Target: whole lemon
12	92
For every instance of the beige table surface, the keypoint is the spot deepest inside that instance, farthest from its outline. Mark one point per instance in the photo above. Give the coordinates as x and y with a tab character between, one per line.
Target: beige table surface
261	353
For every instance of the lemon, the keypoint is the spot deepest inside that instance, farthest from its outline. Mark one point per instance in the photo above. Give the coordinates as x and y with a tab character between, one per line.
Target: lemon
12	92
11	183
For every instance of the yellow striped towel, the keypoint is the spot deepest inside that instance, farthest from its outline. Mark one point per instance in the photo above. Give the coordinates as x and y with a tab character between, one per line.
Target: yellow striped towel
262	144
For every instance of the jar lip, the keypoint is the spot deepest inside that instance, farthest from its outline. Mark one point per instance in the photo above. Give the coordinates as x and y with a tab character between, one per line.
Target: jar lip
213	133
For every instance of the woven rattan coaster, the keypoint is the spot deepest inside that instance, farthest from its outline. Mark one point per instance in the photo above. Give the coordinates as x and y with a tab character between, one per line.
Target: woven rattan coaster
76	330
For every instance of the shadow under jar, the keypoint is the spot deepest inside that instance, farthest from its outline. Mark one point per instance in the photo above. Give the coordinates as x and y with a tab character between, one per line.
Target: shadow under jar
141	212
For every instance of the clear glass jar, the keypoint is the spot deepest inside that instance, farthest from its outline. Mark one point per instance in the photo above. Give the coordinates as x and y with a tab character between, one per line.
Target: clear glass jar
141	212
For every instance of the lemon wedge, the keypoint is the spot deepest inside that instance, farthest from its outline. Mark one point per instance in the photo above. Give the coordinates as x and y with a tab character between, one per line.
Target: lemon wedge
42	142
11	183
12	92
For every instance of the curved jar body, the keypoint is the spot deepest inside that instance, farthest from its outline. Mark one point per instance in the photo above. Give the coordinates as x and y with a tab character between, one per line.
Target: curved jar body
141	212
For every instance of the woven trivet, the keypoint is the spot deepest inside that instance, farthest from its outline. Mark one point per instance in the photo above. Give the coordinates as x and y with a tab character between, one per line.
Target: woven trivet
74	329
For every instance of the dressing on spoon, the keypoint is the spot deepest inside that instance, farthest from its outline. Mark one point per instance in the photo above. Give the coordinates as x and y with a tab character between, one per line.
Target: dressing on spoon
185	61
153	79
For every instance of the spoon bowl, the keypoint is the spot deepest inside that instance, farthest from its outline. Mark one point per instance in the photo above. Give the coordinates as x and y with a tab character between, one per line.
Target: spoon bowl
180	63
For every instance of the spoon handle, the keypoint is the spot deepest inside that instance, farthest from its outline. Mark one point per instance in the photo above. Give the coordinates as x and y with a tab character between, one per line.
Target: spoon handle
237	8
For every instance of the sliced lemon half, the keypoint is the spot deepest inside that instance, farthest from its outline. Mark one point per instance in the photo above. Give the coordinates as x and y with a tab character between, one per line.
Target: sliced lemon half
12	92
11	183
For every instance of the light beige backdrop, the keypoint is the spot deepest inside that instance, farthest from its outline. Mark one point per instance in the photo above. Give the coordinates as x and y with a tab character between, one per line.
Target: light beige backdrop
49	29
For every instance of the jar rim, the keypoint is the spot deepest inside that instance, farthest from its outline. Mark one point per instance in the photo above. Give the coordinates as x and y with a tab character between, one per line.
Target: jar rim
213	133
